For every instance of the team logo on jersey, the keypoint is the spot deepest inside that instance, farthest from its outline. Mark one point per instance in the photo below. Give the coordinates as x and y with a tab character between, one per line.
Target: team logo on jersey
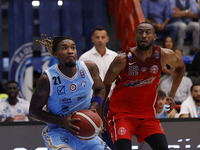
83	83
72	87
82	73
82	97
143	69
19	110
154	69
121	131
61	90
129	56
157	54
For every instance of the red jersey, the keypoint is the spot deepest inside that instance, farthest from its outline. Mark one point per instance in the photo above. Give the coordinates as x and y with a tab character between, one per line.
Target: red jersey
135	93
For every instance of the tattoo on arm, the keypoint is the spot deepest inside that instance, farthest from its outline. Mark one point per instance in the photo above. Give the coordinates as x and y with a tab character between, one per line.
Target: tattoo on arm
91	67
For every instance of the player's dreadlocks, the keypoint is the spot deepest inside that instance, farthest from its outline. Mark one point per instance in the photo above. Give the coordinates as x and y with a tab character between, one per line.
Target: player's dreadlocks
52	45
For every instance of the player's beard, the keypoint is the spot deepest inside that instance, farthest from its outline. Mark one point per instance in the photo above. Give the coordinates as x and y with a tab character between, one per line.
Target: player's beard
72	64
144	47
196	100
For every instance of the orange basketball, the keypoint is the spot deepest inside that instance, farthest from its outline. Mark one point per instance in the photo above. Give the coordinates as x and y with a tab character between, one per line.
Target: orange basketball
90	124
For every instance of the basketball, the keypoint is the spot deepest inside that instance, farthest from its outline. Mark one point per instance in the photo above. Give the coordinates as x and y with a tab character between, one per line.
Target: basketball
90	124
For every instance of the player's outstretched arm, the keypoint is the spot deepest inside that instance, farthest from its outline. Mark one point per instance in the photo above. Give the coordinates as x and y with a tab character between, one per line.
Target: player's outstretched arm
117	66
39	100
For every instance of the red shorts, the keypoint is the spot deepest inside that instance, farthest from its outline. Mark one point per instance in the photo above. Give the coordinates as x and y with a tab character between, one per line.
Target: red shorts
124	128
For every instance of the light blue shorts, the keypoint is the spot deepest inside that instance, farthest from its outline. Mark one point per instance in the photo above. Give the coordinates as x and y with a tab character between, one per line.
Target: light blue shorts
56	138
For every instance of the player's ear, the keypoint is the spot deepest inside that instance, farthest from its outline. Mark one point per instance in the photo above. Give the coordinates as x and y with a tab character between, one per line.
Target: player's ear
55	54
155	35
92	38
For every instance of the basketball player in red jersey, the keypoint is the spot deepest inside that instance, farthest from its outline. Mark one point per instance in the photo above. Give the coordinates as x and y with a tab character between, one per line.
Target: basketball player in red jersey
132	108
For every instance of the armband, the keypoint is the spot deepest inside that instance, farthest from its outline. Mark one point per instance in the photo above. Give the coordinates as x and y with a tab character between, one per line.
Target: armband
97	99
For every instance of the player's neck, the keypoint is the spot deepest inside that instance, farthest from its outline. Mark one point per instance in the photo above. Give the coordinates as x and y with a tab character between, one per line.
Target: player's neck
68	71
143	55
12	101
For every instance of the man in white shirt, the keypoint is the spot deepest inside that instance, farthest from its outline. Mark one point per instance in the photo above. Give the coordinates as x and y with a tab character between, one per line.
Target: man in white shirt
102	56
99	53
183	90
190	108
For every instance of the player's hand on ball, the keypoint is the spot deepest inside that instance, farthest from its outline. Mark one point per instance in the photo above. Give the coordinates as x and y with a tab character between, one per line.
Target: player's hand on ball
68	124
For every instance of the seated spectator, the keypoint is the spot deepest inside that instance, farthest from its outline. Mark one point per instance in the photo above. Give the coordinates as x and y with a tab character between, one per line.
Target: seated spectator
157	12
183	90
163	107
169	43
13	108
183	12
198	7
194	69
2	94
190	108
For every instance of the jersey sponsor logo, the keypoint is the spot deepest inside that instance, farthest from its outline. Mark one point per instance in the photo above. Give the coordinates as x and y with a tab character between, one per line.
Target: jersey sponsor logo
129	56
64	108
82	97
83	83
139	83
131	63
19	117
82	73
73	87
157	54
121	131
143	69
65	100
154	69
61	90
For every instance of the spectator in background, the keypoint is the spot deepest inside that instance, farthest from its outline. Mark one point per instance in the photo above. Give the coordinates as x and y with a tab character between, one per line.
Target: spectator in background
163	107
183	90
183	12
190	108
2	94
13	108
194	69
157	12
198	8
169	43
102	56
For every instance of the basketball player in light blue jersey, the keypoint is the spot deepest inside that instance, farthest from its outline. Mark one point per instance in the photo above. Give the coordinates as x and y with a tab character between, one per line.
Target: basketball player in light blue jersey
64	89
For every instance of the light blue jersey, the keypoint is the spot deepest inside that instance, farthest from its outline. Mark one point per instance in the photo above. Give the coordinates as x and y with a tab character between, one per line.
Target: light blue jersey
163	114
66	96
69	94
